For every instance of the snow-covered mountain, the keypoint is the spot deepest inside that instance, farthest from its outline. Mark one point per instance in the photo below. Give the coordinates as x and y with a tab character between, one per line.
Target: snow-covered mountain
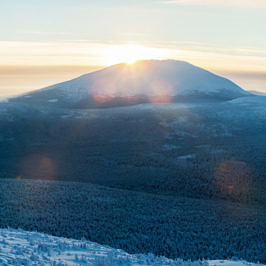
145	81
18	247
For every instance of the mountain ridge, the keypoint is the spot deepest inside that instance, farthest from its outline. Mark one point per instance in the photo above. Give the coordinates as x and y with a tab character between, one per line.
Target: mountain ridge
146	81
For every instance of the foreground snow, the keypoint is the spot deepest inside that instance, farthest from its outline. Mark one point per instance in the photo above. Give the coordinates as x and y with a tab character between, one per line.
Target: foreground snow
18	247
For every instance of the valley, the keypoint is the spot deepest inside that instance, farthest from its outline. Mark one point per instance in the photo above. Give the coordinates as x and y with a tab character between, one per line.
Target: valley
182	177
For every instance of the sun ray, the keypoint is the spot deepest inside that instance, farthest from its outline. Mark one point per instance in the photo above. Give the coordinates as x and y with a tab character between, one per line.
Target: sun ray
130	53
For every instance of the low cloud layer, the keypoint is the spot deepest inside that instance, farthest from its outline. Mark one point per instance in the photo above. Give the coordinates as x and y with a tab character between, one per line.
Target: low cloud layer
27	66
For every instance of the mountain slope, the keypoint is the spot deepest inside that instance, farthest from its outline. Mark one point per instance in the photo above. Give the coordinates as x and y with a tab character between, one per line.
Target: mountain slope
18	247
145	81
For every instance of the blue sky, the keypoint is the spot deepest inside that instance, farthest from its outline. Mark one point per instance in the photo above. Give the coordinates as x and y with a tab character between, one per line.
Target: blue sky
144	21
220	35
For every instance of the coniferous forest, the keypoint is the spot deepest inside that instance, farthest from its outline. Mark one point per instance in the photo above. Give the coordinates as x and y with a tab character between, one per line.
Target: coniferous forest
182	181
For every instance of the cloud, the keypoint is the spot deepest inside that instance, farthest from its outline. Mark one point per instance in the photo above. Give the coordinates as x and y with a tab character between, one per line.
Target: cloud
26	66
219	3
87	53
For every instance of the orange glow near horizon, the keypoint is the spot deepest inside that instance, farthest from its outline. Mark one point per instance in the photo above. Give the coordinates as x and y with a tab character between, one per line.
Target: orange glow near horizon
26	66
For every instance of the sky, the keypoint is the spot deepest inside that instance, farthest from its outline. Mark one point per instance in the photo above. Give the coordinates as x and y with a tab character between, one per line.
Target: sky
44	42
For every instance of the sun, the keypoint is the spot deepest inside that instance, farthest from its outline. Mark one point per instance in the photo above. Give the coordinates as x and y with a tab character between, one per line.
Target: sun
128	53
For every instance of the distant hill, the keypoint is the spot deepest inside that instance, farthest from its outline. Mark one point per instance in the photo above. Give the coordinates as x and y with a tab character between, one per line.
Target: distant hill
146	81
259	93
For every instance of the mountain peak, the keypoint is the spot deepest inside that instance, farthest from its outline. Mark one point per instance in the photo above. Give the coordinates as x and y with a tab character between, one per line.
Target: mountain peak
155	81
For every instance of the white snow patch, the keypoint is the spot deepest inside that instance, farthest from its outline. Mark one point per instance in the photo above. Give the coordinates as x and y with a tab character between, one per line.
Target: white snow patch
187	156
169	147
19	247
53	100
230	263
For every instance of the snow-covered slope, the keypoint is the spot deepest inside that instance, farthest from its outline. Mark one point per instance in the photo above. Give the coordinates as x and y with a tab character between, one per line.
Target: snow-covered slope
18	247
145	81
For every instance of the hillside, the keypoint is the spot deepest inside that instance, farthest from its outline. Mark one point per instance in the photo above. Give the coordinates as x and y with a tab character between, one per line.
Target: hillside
137	222
176	149
143	82
142	178
22	247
